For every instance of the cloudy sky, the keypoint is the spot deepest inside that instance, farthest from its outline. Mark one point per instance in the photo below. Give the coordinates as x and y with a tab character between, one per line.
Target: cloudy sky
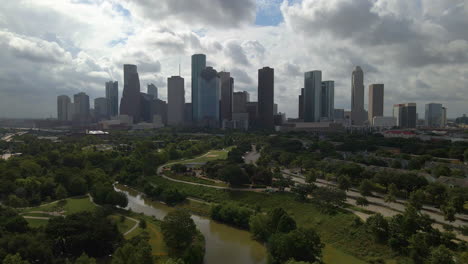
417	48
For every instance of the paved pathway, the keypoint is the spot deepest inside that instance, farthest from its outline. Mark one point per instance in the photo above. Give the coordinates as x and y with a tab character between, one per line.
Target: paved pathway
137	222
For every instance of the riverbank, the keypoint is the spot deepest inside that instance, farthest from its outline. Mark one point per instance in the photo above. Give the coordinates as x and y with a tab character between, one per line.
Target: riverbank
340	231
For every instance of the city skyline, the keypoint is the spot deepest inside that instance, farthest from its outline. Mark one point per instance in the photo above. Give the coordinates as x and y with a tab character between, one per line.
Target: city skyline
237	43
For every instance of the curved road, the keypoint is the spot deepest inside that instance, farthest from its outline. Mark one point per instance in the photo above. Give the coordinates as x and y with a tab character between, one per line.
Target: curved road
377	203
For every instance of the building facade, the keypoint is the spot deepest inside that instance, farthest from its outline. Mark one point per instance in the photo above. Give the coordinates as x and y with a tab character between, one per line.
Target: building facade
175	101
227	87
312	96
266	95
301	105
101	108
327	104
63	102
209	95
198	65
376	101
239	102
112	95
434	116
358	114
81	114
405	115
130	103
152	90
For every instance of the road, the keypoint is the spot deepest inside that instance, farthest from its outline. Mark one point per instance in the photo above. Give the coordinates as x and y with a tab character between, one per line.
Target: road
252	156
377	203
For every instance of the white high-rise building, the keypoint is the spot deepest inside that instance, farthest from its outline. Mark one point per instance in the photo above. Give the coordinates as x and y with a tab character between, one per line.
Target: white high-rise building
175	101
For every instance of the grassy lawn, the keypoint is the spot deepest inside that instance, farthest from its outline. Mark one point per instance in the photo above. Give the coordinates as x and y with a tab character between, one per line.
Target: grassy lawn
195	179
209	156
347	241
72	205
124	225
36	222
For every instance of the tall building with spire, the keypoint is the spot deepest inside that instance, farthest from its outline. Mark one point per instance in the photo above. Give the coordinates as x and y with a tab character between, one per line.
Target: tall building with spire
131	102
198	65
266	97
112	95
358	114
175	101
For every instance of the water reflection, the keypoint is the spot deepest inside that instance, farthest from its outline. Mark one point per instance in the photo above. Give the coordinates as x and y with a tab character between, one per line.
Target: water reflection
224	244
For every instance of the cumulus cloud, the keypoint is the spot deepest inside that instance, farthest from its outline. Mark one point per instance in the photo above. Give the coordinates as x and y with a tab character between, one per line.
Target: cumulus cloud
211	13
418	49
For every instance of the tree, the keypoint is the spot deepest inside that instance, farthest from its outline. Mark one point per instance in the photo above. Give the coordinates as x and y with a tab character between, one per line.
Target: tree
77	186
419	249
396	164
449	212
178	230
344	182
311	176
129	254
417	199
61	192
391	194
83	232
84	259
378	226
259	227
286	224
441	255
142	224
329	198
234	175
441	170
362	201
301	245
14	259
365	188
465	155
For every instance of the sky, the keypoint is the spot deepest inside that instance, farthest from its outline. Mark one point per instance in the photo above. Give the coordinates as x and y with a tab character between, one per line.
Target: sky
417	48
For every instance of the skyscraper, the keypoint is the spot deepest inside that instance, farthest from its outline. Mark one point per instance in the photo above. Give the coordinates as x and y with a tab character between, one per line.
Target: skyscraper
112	95
152	90
312	96
376	101
327	103
130	103
434	115
209	94
405	115
444	116
175	101
301	105
81	115
198	65
63	102
358	114
101	108
227	84
240	100
266	95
